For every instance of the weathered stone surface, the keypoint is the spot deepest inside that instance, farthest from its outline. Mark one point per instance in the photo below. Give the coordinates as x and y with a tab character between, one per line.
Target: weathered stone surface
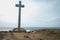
33	35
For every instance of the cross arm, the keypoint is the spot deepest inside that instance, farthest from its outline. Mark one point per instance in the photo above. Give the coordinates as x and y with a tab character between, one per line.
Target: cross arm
17	5
22	6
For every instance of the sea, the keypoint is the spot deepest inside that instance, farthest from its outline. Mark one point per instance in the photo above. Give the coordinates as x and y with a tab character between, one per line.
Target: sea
28	28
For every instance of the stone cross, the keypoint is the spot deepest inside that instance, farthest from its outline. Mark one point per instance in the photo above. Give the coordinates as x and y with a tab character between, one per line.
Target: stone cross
19	15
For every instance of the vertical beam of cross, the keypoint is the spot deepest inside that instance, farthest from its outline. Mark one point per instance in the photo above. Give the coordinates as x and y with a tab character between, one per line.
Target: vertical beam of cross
19	15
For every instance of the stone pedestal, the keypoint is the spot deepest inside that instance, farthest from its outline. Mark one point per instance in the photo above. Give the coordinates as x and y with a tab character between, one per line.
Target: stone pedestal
21	29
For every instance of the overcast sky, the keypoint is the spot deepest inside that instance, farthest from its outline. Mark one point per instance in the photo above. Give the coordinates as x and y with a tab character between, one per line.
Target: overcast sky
36	13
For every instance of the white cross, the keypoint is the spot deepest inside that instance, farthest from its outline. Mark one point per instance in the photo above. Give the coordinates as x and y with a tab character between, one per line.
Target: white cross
19	16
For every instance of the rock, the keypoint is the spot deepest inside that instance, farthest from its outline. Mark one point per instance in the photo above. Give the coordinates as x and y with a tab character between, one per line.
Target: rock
21	29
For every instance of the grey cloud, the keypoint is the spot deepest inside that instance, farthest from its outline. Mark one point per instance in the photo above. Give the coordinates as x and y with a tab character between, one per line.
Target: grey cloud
5	24
43	0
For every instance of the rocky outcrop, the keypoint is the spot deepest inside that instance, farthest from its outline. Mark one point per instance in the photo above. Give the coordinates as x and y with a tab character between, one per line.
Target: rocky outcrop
21	29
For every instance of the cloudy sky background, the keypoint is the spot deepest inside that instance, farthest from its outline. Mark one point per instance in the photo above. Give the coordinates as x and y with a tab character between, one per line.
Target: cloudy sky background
36	13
